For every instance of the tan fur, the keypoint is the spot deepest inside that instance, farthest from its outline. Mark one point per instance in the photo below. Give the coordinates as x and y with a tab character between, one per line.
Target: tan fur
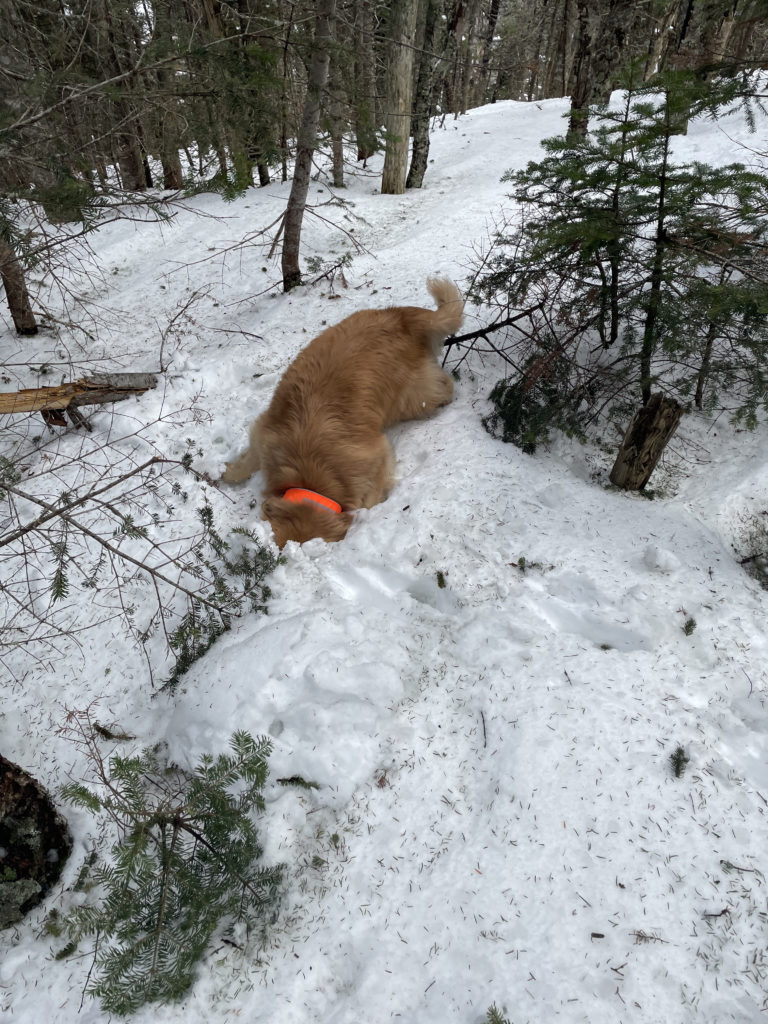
324	427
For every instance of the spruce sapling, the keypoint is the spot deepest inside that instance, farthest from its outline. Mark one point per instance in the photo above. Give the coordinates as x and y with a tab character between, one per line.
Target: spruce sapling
185	861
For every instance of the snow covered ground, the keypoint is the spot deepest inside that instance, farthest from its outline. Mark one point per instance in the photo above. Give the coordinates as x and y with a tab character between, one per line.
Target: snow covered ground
497	820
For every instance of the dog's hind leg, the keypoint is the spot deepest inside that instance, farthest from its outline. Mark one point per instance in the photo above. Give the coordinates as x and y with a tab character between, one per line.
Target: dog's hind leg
248	463
427	390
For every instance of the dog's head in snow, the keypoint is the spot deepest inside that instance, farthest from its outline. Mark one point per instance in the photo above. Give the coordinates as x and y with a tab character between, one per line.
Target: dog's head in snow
302	522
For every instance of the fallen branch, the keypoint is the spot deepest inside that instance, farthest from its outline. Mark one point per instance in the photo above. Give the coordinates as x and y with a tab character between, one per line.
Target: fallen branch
497	325
97	389
53	512
193	595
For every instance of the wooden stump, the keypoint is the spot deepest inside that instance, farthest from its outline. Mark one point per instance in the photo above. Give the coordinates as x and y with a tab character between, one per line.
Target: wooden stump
652	427
12	277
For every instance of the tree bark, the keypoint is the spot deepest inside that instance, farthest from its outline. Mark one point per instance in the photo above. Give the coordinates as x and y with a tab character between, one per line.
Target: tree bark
614	28
709	344
336	107
533	80
650	431
466	49
365	81
17	297
577	124
654	294
485	63
108	35
306	143
558	36
169	127
599	52
398	96
423	100
173	175
98	389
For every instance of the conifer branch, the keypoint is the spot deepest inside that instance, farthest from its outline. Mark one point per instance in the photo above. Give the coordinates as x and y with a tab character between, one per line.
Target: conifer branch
52	512
105	544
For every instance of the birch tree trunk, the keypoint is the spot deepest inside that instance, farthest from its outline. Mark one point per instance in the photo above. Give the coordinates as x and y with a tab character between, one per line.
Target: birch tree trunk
306	142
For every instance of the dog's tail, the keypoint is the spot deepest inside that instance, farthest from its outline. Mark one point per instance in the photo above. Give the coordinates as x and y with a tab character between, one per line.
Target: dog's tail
450	308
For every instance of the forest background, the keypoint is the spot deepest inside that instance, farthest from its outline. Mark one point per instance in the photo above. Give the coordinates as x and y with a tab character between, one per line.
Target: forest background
102	98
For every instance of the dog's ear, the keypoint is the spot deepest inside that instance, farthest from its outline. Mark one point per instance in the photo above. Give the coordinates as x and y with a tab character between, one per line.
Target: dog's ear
302	522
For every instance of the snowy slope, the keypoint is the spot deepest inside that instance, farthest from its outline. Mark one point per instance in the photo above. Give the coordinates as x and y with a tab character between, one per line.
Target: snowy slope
497	819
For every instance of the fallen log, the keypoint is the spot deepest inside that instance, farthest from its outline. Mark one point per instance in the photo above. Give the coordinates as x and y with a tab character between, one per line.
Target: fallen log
96	389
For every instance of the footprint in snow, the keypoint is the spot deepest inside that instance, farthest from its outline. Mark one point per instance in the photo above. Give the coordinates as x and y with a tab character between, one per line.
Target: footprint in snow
380	587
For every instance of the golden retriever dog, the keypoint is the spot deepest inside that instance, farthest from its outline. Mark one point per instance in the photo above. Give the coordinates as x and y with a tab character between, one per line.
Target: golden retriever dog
320	445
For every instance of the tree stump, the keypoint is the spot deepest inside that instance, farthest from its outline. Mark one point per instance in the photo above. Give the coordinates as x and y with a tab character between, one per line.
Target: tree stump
12	277
34	843
651	429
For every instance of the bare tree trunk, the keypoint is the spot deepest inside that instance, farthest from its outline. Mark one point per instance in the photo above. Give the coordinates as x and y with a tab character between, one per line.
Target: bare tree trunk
569	45
170	135
709	342
218	135
108	35
577	124
306	142
423	100
398	96
12	276
467	49
485	73
173	175
653	296
601	42
365	81
455	31
615	27
131	163
533	81
677	23
660	39
336	124
262	167
285	97
557	41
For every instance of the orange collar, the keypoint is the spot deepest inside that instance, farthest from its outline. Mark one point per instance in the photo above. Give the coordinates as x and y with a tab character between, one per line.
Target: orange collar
302	496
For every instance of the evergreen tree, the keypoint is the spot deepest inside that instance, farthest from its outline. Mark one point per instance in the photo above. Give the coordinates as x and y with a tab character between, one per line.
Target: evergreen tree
662	262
